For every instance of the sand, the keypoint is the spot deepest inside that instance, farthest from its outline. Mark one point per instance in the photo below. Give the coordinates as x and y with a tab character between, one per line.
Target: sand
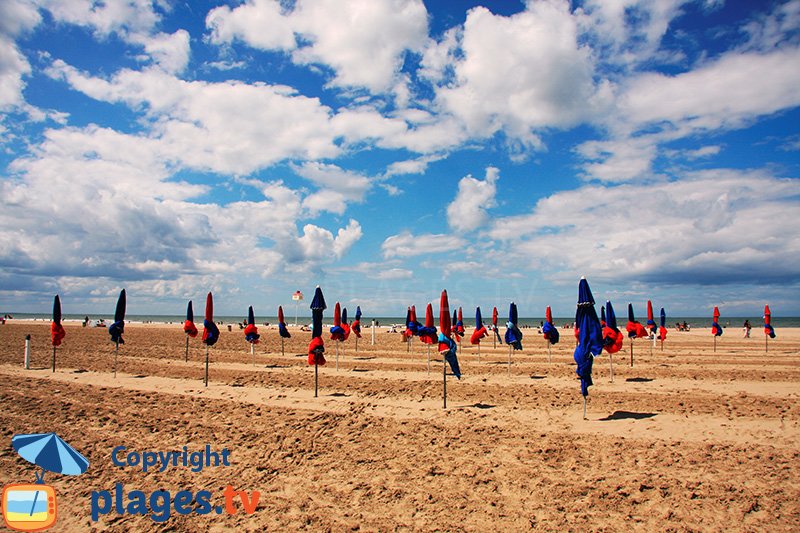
685	440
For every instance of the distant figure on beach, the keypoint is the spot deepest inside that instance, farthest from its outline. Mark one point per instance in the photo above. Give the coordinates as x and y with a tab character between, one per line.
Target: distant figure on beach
746	327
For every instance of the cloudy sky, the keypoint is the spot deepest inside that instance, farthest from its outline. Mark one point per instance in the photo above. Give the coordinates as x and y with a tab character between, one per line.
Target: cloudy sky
386	149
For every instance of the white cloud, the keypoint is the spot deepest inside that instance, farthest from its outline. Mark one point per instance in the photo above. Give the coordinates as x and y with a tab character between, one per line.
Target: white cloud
110	16
227	127
319	244
521	73
362	41
168	51
16	17
716	226
721	94
628	32
406	245
468	210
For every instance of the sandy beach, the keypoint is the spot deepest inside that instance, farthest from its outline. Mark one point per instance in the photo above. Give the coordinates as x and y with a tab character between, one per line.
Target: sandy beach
687	439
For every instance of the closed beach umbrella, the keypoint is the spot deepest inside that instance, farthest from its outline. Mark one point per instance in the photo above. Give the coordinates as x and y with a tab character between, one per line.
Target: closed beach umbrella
769	331
316	348
651	322
460	323
612	336
51	453
513	334
447	347
603	315
189	328
57	332
188	325
634	328
118	327
427	333
549	331
590	342
662	330
210	329
345	324
716	329
282	330
251	331
480	330
355	327
496	330
337	332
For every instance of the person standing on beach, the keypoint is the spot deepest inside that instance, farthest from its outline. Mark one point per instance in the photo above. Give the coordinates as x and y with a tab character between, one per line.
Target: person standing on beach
746	328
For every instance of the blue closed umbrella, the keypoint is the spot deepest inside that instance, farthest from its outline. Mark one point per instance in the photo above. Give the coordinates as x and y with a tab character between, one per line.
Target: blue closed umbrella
590	337
118	327
51	453
513	334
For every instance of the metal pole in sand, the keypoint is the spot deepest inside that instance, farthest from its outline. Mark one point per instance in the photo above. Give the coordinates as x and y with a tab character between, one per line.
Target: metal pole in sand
27	352
373	332
253	352
631	352
429	359
444	382
611	364
316	376
186	357
549	360
206	379
116	352
54	358
584	408
766	343
356	344
282	339
509	359
337	355
715	344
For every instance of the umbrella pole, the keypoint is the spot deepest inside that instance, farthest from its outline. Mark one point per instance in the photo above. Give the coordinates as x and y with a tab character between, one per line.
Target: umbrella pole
584	408
116	352
479	353
206	379
337	355
54	358
186	357
611	364
509	359
316	377
27	352
444	382
372	329
766	346
253	352
282	339
494	339
356	344
662	345
715	344
429	359
549	360
631	352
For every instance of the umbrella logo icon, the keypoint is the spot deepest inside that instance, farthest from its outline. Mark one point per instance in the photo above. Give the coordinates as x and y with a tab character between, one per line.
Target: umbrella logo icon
32	506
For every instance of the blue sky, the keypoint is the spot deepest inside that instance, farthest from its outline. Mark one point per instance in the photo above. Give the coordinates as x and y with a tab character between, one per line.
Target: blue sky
386	149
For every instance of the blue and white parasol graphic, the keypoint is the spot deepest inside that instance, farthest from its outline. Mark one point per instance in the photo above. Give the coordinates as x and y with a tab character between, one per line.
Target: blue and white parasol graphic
51	453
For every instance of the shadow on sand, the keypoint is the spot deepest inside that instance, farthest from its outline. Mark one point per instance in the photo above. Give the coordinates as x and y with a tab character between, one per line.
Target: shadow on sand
639	380
628	415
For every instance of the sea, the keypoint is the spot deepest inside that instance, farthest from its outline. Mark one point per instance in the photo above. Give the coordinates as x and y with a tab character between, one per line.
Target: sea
693	321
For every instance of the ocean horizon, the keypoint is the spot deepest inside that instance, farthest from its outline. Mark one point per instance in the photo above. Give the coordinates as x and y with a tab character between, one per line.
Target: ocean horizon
694	321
